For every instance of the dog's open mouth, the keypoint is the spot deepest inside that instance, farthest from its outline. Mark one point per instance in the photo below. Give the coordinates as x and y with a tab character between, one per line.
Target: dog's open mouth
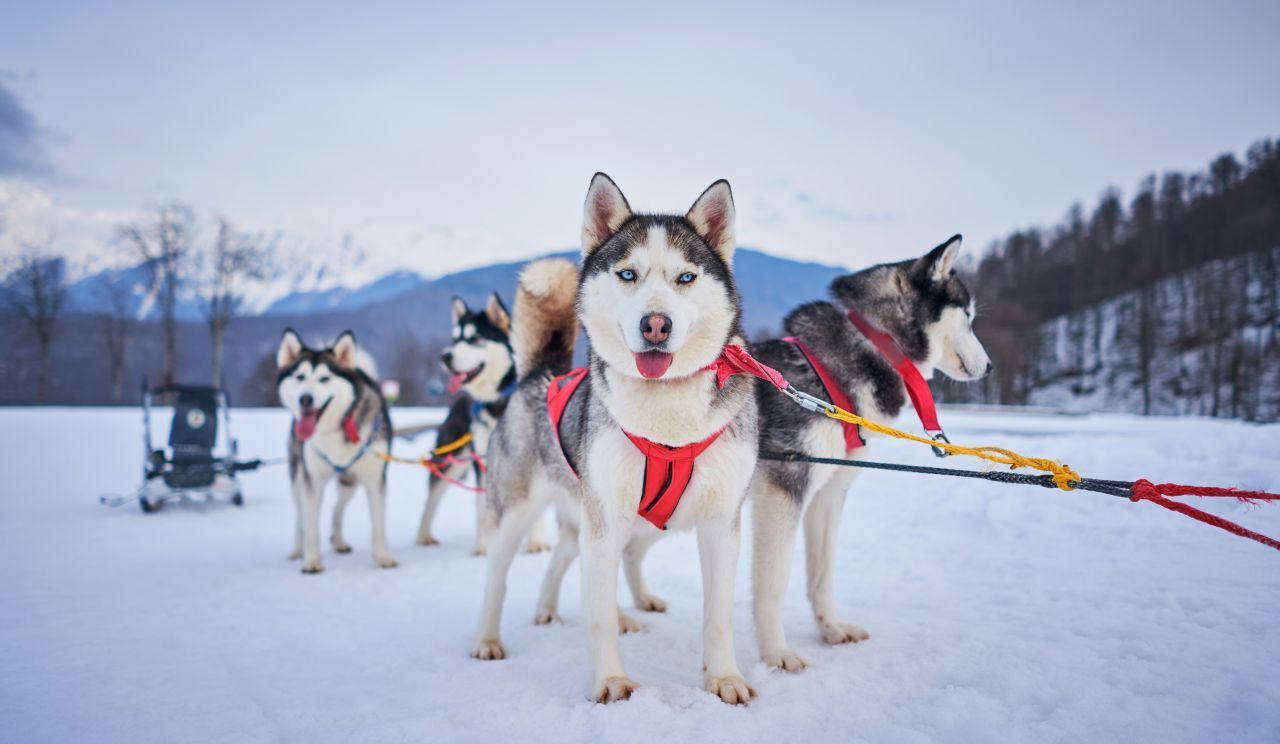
304	427
458	379
653	364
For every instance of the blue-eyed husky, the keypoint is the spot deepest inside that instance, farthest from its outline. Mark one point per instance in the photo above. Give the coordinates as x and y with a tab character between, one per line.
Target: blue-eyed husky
648	430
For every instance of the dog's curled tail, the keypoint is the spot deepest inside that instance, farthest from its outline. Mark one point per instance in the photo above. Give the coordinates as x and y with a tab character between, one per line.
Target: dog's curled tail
546	320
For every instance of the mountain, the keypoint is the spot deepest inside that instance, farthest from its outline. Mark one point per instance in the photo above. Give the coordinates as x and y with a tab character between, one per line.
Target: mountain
766	299
401	318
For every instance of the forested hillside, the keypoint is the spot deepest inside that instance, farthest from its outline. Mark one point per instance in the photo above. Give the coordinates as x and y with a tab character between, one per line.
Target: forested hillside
1168	302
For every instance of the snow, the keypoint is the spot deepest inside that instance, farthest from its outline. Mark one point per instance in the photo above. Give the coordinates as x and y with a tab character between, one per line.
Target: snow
997	613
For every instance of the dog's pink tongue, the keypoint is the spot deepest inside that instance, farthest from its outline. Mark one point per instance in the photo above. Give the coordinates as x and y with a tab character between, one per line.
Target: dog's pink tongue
653	364
455	382
305	425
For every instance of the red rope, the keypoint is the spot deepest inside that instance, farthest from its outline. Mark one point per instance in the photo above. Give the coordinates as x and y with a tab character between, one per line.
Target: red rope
1145	490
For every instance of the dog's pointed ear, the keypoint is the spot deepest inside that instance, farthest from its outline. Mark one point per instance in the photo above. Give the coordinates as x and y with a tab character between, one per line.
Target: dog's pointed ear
290	349
497	313
344	350
937	264
712	216
605	211
459	309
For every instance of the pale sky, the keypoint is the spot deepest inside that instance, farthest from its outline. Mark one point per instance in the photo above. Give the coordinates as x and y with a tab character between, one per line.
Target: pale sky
453	135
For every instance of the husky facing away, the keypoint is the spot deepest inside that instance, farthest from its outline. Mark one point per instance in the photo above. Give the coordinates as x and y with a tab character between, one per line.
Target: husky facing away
928	312
658	302
480	363
340	422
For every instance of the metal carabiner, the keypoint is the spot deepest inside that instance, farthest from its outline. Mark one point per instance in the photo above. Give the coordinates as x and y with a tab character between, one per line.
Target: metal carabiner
938	451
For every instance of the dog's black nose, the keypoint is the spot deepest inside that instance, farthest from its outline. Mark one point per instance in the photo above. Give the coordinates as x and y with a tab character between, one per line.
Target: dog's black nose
447	358
990	367
655	328
306	401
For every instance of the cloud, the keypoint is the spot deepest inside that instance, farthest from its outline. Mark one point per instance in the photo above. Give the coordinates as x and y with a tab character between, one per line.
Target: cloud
23	141
820	210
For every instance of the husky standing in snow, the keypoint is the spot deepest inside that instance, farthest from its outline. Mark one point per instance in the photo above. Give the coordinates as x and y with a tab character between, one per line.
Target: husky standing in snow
927	312
648	428
340	423
480	364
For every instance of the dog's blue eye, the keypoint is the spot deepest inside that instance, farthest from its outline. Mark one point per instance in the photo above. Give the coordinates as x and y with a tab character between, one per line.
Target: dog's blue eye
324	379
627	275
686	278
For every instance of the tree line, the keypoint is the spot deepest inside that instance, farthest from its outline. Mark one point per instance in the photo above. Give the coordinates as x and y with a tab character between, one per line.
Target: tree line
214	265
1171	298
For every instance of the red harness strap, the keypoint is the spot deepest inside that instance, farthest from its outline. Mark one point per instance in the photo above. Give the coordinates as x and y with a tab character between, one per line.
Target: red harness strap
835	393
667	470
917	387
559	392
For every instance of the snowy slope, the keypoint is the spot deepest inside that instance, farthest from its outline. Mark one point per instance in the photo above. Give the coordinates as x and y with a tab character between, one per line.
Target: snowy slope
997	613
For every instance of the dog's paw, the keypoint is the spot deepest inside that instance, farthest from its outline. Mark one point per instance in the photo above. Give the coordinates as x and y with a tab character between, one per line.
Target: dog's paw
312	567
628	624
537	546
427	540
786	660
838	633
296	555
546	617
340	546
651	603
614	689
732	689
488	650
386	561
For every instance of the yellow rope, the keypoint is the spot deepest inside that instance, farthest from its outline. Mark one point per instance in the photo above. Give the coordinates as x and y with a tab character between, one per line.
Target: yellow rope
456	444
443	449
1063	476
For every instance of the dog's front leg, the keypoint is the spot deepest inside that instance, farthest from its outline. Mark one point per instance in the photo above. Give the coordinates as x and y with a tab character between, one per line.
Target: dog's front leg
821	530
312	493
632	563
297	490
776	517
602	539
718	541
376	489
346	489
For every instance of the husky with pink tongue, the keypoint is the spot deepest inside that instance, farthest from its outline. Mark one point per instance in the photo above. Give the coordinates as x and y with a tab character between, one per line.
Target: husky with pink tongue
340	425
647	438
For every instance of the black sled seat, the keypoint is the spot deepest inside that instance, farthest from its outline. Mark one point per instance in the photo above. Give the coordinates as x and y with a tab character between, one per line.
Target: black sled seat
189	464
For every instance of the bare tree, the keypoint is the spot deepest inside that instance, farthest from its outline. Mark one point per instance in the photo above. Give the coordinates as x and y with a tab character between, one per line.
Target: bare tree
163	243
37	287
233	258
115	333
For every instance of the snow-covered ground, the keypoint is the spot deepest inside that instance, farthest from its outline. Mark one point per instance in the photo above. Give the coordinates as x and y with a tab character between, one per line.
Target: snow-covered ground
997	613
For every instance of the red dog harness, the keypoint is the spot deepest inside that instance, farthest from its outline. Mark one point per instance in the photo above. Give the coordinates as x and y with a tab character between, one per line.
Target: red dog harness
917	387
836	394
667	470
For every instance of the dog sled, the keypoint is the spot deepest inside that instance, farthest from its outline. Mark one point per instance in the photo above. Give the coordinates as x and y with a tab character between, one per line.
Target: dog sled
190	467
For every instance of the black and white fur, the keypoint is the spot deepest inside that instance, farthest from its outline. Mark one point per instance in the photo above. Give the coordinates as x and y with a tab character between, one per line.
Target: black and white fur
634	267
929	312
322	386
481	365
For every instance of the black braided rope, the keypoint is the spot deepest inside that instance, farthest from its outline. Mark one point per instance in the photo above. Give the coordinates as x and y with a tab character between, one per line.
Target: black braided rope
1122	489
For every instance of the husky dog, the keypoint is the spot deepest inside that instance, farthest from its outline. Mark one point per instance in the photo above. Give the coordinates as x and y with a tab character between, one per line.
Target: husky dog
340	422
928	311
657	299
480	364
